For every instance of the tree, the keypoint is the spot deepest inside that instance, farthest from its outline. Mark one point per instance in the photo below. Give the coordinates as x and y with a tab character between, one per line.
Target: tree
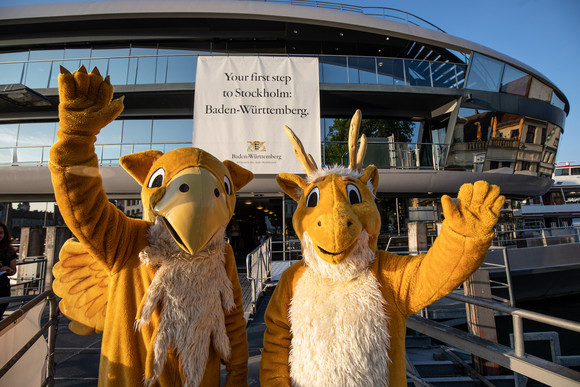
335	152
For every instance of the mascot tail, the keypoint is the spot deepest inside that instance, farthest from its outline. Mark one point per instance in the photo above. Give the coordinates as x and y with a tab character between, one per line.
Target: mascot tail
83	284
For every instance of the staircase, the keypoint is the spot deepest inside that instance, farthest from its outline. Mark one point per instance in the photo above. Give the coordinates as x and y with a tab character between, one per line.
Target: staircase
431	364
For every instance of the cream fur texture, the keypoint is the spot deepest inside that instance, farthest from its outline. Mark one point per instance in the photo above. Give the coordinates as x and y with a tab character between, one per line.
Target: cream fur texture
195	293
338	322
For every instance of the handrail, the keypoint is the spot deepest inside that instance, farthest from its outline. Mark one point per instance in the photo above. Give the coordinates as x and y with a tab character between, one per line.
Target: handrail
516	360
359	9
257	272
50	327
536	368
396	155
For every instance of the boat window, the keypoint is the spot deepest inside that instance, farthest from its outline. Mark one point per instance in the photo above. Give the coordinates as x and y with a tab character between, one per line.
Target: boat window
572	196
553	197
575	171
562	172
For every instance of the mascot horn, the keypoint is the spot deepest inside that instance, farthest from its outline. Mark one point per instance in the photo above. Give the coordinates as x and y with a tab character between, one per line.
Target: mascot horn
164	291
337	318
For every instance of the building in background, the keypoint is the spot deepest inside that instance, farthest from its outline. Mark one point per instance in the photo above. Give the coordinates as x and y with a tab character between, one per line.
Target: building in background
455	111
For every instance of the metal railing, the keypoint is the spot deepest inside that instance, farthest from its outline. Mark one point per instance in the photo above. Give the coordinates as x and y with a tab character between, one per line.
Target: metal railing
380	152
534	237
384	12
107	153
181	68
514	359
30	276
258	272
49	327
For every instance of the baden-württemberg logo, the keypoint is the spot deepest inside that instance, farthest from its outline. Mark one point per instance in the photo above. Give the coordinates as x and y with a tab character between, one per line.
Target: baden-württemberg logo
256	146
254	154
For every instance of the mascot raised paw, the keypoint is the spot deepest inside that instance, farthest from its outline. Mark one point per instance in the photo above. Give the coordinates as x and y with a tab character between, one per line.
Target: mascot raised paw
164	290
338	317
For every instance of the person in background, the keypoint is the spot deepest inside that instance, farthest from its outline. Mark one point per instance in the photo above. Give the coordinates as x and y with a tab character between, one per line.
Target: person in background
8	257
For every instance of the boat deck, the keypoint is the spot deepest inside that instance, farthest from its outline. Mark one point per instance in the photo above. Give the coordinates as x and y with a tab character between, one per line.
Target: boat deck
77	357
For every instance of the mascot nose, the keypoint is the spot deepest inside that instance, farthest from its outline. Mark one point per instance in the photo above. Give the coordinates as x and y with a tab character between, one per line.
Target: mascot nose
191	210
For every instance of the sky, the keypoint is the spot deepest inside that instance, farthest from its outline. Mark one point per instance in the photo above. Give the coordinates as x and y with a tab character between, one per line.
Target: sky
543	34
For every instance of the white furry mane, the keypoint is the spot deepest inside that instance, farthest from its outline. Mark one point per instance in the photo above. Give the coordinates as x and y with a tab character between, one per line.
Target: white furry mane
338	322
189	289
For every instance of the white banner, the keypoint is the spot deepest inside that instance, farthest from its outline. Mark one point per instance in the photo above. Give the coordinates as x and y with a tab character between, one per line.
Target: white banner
243	102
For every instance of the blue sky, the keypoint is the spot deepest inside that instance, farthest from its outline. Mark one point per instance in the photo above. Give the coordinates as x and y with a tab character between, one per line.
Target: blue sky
544	34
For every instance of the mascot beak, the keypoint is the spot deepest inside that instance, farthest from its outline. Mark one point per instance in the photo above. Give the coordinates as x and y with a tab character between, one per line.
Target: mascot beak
194	208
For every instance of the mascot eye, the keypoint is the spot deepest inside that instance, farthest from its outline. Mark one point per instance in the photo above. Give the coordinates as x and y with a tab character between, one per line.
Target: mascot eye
353	194
156	179
227	185
312	198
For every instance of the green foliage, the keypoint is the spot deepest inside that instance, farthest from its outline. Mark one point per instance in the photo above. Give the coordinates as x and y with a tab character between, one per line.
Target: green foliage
402	131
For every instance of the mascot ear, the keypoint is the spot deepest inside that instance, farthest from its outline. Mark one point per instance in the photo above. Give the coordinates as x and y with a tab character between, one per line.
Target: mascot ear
139	164
292	184
240	176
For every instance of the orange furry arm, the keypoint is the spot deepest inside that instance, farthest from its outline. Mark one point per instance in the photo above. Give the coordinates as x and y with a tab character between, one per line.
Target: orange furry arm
418	281
274	366
86	107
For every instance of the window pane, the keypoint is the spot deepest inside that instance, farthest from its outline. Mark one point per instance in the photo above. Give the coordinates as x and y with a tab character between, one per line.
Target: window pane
132	71
484	74
77	53
390	71
6	156
514	81
173	131
11	73
181	69
101	64
8	135
145	71
37	74
137	51
418	73
540	91
29	155
556	101
364	68
46	54
444	75
160	69
36	134
110	154
14	56
136	131
111	134
109	52
333	69
118	70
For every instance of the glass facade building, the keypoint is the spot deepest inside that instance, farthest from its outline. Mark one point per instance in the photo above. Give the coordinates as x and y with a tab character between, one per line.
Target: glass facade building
467	112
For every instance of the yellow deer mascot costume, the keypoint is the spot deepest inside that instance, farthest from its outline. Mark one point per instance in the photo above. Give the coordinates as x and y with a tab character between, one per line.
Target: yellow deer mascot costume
164	291
337	318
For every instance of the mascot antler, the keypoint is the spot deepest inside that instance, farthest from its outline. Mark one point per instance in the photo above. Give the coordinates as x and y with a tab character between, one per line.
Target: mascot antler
356	158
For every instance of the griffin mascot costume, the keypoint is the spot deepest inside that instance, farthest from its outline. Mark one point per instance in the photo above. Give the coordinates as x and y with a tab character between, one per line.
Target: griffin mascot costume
337	318
164	291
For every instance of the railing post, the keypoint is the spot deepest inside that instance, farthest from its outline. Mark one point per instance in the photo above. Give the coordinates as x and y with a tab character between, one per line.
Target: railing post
519	349
52	332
